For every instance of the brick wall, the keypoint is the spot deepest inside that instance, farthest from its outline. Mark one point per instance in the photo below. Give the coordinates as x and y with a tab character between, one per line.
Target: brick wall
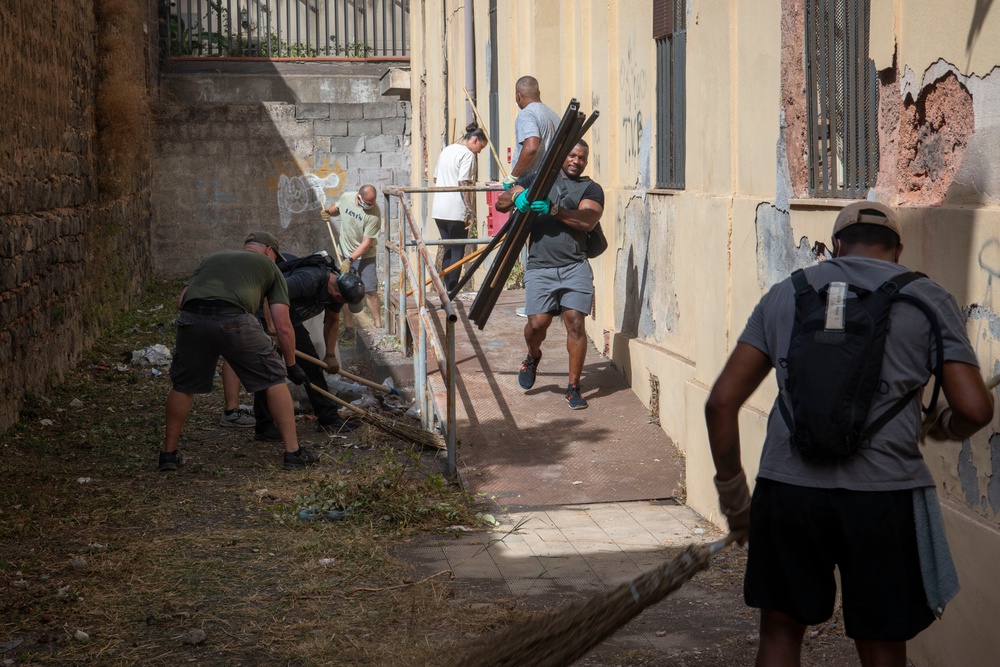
74	186
244	146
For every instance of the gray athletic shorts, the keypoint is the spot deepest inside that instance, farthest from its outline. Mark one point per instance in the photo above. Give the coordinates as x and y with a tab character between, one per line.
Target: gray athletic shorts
238	338
553	290
365	268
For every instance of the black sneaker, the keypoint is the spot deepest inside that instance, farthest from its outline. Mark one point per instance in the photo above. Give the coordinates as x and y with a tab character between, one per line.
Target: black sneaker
270	435
337	428
526	376
170	461
300	459
573	397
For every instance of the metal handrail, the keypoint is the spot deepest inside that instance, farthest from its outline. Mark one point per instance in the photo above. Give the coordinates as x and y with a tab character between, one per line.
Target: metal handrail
416	274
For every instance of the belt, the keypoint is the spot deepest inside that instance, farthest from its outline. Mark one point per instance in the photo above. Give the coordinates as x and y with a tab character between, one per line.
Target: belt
212	307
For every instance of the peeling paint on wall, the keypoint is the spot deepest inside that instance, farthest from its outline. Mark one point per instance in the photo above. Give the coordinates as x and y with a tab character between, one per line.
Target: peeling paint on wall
645	295
992	321
976	179
934	132
968	475
777	254
993	485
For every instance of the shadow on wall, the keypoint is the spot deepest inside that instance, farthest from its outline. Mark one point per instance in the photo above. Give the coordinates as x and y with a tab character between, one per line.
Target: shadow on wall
247	145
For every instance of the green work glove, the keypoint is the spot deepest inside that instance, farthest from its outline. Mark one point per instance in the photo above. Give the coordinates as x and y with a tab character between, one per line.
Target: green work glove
541	206
508	182
521	202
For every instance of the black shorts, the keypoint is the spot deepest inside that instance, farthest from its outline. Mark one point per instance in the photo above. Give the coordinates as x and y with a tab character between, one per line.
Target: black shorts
238	338
797	536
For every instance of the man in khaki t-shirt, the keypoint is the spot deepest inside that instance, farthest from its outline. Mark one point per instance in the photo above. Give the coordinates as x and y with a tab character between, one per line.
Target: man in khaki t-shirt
360	224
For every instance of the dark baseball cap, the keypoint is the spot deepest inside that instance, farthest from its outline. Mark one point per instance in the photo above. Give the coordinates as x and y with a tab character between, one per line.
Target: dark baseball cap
869	213
267	239
352	289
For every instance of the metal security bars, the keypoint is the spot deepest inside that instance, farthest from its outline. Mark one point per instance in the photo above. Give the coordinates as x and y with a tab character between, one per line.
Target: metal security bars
670	32
841	99
288	28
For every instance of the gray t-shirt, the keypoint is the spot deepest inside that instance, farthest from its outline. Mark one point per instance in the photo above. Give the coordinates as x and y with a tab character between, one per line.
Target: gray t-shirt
553	243
534	120
893	460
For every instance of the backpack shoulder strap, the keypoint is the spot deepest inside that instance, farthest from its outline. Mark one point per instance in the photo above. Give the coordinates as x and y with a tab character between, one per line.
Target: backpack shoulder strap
799	282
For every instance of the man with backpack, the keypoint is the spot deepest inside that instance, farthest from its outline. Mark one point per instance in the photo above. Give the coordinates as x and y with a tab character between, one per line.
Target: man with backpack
841	480
558	279
314	287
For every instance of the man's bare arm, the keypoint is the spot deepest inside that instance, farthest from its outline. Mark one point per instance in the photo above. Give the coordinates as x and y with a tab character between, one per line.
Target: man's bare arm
584	218
970	401
746	368
529	150
284	331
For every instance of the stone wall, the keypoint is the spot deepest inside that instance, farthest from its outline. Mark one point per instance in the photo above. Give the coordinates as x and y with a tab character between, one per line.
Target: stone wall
244	146
74	180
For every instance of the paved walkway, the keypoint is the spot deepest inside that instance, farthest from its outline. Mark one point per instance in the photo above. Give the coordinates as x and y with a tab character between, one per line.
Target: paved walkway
586	499
527	448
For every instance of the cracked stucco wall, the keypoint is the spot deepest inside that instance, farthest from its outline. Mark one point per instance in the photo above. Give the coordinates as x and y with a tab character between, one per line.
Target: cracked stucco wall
645	294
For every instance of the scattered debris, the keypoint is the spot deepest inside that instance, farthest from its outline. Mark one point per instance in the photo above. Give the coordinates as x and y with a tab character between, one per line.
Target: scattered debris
327	561
194	637
312	514
45	422
11	645
76	403
78	563
83	480
154	355
81	636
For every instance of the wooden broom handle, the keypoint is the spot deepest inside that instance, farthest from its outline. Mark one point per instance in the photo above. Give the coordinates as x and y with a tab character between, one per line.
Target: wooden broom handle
350	376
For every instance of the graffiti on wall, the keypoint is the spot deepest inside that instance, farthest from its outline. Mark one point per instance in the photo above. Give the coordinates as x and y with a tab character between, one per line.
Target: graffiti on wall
645	298
595	137
309	189
637	139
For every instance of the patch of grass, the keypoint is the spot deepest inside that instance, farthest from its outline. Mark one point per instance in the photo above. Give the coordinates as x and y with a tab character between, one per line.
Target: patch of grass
162	554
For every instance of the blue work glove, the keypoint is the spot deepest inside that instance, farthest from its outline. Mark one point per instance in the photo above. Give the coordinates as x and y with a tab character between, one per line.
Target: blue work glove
521	202
540	206
296	374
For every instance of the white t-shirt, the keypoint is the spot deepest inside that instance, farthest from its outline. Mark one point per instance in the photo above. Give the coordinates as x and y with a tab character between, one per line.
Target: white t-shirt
454	165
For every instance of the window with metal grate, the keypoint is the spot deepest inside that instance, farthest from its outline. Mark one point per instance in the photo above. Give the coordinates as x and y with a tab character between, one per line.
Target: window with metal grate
670	33
841	99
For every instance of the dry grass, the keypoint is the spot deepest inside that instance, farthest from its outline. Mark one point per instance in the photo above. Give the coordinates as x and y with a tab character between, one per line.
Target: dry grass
218	545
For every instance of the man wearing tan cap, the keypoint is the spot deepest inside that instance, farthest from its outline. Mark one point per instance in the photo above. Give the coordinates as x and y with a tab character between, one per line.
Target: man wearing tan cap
217	319
856	512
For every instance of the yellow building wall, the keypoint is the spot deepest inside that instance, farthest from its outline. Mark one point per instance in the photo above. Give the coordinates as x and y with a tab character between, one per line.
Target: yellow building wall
711	250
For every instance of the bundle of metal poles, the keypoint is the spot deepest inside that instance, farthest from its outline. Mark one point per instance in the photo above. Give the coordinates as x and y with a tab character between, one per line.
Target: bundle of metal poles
515	233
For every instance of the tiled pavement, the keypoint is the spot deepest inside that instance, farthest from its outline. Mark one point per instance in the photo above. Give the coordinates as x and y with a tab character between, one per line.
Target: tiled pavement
587	548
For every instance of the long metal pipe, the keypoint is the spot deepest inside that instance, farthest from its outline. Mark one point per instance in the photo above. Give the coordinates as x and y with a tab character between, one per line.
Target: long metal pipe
470	58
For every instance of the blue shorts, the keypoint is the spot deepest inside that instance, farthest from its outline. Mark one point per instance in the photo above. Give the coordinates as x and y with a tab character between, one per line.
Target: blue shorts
797	536
238	338
553	290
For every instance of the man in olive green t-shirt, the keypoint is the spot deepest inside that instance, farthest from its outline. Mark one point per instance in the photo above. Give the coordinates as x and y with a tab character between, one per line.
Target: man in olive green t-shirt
360	224
217	319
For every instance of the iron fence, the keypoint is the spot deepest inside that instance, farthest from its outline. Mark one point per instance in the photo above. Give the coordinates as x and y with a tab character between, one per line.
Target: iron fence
288	28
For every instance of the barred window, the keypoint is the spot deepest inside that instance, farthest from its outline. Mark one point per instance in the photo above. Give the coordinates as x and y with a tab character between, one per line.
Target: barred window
670	33
841	99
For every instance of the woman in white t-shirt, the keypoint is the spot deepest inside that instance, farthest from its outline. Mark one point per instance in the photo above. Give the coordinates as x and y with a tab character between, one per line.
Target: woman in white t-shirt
453	211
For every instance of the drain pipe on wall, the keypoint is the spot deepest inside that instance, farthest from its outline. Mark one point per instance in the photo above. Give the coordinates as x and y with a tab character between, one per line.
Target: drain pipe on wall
470	59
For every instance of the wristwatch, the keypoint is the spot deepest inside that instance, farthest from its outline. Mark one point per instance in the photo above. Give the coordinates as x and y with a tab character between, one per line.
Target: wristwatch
554	209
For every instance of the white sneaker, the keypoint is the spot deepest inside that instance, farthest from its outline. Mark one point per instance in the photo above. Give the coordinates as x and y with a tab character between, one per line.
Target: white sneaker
520	311
241	417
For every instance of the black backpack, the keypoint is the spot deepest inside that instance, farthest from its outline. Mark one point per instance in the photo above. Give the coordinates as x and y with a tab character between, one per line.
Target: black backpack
834	362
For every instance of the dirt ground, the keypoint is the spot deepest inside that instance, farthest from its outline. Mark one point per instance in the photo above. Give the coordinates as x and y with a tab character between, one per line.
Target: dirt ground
104	561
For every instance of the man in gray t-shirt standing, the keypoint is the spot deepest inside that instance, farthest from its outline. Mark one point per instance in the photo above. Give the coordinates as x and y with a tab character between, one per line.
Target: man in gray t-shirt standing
856	513
534	127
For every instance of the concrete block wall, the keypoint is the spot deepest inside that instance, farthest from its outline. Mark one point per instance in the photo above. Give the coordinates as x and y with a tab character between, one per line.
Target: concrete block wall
73	239
247	146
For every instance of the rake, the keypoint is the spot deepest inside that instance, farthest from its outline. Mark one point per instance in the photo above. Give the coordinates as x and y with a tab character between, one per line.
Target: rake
567	634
